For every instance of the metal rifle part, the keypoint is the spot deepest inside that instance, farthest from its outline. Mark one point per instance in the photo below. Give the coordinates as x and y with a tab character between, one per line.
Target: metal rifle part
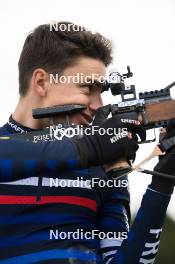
141	109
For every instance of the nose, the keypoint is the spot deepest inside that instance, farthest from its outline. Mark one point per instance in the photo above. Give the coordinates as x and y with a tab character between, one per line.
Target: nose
95	103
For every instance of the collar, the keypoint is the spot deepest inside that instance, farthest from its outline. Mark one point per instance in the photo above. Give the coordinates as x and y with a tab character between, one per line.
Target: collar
14	127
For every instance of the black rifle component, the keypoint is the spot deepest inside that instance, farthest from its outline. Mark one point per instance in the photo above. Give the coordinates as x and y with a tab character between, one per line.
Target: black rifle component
56	110
145	107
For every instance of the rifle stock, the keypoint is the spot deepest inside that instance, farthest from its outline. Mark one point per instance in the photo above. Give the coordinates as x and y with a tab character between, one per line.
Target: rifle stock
158	112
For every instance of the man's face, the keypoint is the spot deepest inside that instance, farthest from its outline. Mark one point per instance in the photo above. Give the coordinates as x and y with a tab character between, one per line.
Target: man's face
85	89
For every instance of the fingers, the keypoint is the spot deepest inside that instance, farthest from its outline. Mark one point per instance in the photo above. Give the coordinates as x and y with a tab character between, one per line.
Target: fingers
170	130
135	127
166	164
132	150
101	115
171	124
139	130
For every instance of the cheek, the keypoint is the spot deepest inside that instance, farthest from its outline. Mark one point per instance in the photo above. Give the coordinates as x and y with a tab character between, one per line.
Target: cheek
63	96
53	98
80	99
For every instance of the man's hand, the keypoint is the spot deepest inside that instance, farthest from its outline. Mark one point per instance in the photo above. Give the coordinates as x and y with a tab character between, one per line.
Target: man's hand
166	164
103	148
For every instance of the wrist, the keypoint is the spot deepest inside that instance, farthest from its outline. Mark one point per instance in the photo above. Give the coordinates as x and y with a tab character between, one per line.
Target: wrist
162	185
118	165
117	172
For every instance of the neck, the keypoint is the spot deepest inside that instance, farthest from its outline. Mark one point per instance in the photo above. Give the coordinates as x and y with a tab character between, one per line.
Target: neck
23	114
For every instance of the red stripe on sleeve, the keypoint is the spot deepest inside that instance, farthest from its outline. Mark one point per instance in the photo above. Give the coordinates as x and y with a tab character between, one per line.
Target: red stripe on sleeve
91	204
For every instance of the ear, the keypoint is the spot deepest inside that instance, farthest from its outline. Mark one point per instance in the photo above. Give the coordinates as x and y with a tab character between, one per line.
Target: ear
39	81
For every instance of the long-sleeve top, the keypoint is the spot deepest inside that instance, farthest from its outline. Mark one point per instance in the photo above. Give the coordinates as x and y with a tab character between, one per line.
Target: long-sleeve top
51	211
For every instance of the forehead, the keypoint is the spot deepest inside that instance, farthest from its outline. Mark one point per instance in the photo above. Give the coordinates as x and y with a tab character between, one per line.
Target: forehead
88	66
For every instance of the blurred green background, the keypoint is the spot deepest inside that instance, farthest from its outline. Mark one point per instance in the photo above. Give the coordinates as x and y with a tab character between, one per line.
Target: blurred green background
166	253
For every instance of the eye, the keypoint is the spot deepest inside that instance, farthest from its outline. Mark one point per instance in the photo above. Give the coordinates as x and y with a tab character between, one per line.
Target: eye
87	87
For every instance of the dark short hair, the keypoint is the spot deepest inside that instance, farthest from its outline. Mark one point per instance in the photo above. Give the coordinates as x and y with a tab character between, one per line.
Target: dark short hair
53	49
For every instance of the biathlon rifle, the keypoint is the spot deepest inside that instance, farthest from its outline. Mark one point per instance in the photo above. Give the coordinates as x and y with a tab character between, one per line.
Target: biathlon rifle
152	108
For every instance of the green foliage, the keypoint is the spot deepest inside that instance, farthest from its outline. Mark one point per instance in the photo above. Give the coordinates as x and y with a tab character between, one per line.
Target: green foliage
166	253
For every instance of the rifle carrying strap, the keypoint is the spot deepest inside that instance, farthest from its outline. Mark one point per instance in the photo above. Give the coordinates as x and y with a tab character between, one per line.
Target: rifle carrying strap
160	149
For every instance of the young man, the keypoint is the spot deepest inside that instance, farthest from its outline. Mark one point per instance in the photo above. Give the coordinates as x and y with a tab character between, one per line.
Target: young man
31	209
